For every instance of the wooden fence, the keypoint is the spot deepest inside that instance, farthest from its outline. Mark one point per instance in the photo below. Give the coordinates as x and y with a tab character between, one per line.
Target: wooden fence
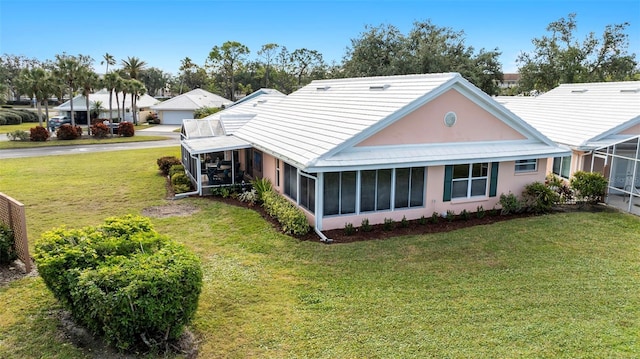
12	214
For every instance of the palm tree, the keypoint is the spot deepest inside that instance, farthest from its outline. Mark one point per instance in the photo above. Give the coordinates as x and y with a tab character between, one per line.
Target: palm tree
137	89
126	85
67	69
88	81
133	66
111	84
32	82
109	60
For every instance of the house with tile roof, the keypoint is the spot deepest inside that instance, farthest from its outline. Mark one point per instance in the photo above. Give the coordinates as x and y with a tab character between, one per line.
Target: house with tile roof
600	122
174	110
383	147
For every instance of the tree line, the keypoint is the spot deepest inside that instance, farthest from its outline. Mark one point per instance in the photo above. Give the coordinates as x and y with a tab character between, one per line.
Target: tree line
558	57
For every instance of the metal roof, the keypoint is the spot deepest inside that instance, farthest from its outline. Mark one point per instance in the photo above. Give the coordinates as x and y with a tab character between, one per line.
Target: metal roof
209	144
192	100
327	117
80	104
581	115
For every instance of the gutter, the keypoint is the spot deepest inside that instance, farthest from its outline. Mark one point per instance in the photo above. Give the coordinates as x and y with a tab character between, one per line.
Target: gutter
323	238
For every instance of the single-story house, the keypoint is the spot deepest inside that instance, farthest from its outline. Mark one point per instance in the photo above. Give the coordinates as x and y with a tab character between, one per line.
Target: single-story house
257	93
176	109
392	147
143	105
600	122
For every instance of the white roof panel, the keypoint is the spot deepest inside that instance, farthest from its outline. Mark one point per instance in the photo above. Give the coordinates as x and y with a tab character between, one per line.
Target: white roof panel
214	144
192	100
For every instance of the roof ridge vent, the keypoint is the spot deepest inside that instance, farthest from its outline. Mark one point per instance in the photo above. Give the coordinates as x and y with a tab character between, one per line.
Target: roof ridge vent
379	87
579	91
323	88
635	90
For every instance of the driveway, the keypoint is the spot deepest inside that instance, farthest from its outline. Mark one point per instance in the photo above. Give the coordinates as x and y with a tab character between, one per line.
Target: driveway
160	130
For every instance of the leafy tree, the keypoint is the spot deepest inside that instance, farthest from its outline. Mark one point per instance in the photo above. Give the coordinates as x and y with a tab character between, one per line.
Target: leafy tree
227	60
10	68
68	69
560	58
191	77
305	60
33	82
153	79
112	82
384	50
268	53
137	89
133	66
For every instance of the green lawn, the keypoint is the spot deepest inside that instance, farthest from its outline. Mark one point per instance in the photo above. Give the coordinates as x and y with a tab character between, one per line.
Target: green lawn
563	285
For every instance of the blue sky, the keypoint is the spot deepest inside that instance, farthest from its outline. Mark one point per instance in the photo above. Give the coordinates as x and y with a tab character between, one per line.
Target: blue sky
163	32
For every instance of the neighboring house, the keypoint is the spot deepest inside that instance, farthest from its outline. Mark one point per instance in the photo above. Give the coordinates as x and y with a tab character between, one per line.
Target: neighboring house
600	122
143	104
258	93
384	147
176	109
509	80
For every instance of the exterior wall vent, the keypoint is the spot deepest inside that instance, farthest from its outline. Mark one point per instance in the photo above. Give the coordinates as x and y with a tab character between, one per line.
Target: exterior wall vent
636	90
579	91
379	87
323	88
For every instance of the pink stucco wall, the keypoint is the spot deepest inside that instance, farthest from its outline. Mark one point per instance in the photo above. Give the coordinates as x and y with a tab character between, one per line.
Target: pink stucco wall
508	181
635	130
426	124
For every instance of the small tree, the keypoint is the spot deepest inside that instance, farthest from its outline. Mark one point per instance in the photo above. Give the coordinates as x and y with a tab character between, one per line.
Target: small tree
590	186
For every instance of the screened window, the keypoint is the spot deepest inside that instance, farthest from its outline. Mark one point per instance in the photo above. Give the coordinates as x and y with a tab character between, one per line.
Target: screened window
409	187
339	192
375	190
308	193
290	181
469	180
562	166
528	165
277	172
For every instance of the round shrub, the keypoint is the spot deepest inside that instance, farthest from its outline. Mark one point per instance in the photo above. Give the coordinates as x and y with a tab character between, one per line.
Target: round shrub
181	183
590	186
100	130
39	134
18	135
165	163
539	198
68	132
122	280
176	169
126	129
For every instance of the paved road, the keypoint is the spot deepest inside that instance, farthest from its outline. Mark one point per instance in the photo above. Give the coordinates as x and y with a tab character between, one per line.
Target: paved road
174	140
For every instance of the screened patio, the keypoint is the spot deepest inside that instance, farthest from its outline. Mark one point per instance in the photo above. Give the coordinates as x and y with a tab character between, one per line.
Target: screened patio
619	162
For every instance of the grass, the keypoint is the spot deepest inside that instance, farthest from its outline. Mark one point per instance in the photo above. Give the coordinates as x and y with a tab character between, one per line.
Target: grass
8	145
562	285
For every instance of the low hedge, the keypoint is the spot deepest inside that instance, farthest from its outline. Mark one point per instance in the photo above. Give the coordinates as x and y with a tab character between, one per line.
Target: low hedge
122	280
165	163
290	217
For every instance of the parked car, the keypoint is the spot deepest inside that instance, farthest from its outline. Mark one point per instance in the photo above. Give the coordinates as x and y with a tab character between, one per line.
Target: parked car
57	121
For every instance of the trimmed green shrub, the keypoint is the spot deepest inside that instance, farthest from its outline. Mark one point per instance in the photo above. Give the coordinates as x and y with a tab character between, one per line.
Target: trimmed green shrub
68	132
422	220
480	213
38	134
404	223
510	204
435	217
349	229
388	224
590	186
291	218
176	169
122	280
165	163
18	135
7	245
465	215
9	117
250	197
451	215
181	183
539	198
126	129
365	225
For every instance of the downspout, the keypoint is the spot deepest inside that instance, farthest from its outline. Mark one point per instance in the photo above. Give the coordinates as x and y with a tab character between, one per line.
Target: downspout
323	238
319	205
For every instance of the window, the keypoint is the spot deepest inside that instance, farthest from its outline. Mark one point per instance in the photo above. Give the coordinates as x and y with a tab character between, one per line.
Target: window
375	190
562	166
469	180
307	192
277	172
528	165
291	181
409	187
339	192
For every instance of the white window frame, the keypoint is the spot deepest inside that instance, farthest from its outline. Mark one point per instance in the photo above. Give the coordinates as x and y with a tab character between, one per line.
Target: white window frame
521	165
470	179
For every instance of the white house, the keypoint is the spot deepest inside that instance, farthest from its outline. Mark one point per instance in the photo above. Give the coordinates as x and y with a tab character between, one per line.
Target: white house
143	104
174	110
